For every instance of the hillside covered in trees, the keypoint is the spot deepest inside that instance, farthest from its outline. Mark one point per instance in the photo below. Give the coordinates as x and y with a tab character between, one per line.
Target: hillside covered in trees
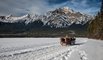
95	29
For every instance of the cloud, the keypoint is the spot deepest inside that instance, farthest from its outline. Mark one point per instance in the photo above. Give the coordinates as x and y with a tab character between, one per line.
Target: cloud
51	2
20	7
12	7
85	6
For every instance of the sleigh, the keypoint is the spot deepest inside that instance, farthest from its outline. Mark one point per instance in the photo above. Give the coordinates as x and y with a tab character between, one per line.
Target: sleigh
64	41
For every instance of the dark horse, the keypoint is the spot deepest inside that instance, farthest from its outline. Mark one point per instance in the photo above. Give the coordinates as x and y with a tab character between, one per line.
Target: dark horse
67	41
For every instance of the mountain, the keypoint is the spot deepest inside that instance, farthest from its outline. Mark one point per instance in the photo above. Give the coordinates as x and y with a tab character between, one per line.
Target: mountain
13	19
64	17
61	17
57	22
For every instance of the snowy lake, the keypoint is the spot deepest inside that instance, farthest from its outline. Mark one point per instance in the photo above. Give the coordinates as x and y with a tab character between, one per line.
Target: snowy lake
49	49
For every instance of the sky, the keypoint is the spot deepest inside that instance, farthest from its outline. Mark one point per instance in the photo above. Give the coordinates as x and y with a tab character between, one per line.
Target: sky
22	7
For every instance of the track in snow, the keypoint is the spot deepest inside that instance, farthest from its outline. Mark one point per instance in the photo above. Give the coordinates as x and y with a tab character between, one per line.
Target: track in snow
83	55
48	52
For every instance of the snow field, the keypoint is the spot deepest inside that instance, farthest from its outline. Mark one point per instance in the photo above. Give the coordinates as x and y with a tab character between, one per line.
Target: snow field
50	49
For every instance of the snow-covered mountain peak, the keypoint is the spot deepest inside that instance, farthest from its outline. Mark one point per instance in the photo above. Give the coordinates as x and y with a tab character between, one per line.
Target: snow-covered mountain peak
61	17
67	10
64	17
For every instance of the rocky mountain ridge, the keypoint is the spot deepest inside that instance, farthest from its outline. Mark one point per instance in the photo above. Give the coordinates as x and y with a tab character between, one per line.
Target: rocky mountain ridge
59	18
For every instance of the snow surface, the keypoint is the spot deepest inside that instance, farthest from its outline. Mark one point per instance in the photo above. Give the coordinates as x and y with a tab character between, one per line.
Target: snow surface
49	49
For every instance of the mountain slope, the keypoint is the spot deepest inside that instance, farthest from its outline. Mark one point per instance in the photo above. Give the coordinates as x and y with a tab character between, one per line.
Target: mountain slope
54	23
61	17
64	17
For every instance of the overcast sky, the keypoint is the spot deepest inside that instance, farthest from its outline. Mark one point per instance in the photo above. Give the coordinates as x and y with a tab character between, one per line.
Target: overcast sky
21	7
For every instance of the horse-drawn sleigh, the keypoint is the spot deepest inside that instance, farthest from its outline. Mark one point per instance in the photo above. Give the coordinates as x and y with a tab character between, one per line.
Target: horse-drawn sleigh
64	41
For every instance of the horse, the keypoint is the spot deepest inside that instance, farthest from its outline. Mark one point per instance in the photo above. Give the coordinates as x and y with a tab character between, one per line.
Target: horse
64	41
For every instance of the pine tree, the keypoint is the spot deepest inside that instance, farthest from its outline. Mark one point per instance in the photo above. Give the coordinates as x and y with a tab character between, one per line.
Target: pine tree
101	7
95	29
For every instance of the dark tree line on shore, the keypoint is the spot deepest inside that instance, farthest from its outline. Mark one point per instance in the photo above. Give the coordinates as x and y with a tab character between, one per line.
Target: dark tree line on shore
95	28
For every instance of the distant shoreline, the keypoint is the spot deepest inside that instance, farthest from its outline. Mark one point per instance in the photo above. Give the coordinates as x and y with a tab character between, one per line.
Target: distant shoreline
33	36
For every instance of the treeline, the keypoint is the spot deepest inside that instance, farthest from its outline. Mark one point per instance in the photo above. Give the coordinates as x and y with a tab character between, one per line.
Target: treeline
37	29
95	28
